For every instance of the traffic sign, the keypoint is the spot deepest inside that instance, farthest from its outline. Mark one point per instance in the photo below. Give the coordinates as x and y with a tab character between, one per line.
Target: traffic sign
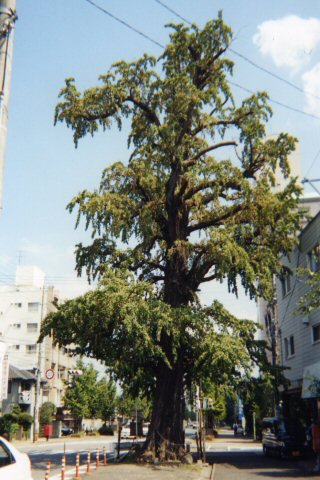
49	374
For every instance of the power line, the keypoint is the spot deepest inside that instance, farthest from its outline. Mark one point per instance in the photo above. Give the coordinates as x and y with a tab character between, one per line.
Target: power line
259	67
312	163
278	77
293	109
124	23
173	11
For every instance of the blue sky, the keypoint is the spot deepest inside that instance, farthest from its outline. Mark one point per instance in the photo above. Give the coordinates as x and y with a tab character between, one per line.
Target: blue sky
55	39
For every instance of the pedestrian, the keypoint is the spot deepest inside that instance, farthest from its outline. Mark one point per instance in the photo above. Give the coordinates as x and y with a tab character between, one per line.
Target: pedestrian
235	429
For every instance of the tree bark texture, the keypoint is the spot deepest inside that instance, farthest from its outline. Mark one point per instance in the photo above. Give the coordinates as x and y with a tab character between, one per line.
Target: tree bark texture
165	439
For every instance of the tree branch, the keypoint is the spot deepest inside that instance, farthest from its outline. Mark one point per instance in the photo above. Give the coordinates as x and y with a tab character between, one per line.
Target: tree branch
218	220
214	276
210	184
191	161
145	108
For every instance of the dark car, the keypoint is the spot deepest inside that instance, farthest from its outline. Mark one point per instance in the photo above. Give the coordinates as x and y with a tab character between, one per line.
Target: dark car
66	431
280	439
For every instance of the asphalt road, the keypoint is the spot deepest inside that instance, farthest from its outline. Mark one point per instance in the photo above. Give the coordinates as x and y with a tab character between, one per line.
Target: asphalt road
253	465
234	458
53	451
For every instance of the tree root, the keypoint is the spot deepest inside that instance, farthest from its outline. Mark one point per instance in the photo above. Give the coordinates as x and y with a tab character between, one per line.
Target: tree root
163	452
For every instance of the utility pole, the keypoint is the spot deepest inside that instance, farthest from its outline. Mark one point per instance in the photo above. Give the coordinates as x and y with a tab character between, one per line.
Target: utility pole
8	17
38	376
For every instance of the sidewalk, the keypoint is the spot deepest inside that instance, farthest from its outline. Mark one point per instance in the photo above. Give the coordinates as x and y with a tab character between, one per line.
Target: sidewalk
147	472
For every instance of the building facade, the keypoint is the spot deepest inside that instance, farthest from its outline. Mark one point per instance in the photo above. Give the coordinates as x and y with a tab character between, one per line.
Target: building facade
299	335
23	306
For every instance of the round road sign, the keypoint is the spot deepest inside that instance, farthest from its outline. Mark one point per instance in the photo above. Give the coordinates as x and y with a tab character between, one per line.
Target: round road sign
49	374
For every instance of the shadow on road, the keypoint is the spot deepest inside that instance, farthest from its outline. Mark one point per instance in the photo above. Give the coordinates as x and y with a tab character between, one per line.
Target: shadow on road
255	464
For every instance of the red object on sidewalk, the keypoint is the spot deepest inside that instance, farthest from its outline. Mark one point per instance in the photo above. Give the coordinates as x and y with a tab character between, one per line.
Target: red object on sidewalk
47	430
316	438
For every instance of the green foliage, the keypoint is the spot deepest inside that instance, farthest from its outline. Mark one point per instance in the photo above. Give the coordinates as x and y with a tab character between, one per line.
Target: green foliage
80	393
88	397
194	203
106	399
106	430
9	424
25	420
257	395
311	300
216	344
16	410
47	412
127	404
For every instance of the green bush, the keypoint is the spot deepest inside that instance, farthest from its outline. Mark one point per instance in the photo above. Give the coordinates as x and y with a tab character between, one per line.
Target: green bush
9	425
105	430
47	412
25	420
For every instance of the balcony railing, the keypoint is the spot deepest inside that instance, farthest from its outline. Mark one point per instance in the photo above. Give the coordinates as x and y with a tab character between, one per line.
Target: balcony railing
25	397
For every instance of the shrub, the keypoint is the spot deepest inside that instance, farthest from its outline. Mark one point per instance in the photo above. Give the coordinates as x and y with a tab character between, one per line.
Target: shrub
47	411
25	420
105	430
8	425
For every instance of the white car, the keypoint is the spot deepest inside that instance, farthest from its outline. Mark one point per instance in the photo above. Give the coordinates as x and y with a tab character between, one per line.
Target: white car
14	465
125	432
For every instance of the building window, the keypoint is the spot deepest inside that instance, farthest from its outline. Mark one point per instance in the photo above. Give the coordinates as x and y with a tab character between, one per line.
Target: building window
289	349
31	348
16	325
33	306
14	348
314	259
17	305
285	284
316	333
32	327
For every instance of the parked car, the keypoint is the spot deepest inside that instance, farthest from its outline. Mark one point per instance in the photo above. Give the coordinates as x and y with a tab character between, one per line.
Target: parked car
240	431
13	464
145	429
66	431
278	439
125	431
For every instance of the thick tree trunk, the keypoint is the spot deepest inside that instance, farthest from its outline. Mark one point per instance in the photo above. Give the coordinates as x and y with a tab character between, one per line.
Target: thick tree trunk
165	439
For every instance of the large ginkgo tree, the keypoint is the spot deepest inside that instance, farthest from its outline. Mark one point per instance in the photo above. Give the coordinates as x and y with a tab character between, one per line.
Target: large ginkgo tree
194	202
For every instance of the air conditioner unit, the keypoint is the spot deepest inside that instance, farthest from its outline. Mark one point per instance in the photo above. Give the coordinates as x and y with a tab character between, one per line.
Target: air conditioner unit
305	320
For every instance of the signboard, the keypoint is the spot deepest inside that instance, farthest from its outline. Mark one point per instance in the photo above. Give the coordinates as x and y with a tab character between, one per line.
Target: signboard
311	381
49	374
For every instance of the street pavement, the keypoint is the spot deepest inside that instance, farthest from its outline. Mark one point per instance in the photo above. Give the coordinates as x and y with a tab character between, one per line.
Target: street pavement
237	458
230	458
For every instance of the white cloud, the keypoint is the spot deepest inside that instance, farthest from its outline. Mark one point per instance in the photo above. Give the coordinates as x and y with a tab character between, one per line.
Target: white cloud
289	41
311	85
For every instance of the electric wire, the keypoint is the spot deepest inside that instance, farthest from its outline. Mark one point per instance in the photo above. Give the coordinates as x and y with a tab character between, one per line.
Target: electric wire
173	11
312	163
248	60
276	102
124	23
272	74
293	109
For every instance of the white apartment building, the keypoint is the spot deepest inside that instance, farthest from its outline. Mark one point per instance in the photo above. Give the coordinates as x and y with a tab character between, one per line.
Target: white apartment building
23	306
